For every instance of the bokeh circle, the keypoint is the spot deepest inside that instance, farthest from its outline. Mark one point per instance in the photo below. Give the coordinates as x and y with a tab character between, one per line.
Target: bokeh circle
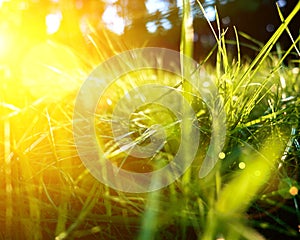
93	156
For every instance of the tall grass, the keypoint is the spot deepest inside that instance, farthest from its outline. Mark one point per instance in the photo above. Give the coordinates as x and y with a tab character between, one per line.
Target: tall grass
47	193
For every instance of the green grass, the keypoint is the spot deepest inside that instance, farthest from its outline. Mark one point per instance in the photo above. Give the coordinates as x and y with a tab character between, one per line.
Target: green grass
47	193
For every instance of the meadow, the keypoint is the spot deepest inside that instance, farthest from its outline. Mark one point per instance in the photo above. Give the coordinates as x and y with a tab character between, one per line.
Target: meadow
46	192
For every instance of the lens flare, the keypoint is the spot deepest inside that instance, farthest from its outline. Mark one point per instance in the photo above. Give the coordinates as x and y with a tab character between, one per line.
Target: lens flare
51	70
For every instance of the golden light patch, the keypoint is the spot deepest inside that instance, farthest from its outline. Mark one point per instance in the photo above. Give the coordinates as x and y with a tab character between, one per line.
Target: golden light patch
242	165
51	70
293	191
222	155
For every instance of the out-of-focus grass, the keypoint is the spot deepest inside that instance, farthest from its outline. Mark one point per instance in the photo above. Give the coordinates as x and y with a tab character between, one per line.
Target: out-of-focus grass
46	192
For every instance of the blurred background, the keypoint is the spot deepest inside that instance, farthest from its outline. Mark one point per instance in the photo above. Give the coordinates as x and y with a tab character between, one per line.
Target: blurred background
59	42
123	24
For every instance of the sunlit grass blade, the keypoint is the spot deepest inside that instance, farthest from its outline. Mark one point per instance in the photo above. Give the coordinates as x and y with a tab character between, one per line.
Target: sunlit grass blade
235	198
287	29
8	179
187	30
246	184
263	54
186	50
89	203
288	52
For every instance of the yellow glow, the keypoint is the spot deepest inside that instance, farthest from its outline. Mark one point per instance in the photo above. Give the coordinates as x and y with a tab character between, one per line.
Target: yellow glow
51	70
242	165
109	102
239	192
2	44
222	155
293	191
113	21
295	70
5	45
257	173
53	22
3	1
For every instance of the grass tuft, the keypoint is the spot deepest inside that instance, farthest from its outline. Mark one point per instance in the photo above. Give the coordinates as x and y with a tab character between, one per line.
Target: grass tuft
47	193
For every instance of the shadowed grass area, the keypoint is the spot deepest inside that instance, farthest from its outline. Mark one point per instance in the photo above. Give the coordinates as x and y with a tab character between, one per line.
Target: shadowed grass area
47	193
